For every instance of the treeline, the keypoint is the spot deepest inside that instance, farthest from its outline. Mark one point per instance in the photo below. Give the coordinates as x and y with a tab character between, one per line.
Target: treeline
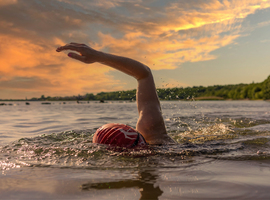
251	91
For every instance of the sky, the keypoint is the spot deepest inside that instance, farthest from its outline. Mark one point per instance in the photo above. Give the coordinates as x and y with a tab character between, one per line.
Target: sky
185	43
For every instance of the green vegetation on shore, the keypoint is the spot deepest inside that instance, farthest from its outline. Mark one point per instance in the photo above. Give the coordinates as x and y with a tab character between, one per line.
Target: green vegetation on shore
253	91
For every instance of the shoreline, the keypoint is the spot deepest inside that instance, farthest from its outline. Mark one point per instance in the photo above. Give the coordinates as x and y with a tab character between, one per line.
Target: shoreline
196	99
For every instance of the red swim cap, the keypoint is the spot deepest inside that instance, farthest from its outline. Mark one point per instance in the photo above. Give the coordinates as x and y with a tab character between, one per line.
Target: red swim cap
119	135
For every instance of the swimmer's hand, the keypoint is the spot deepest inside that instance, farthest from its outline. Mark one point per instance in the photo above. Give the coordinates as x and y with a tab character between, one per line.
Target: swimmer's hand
87	54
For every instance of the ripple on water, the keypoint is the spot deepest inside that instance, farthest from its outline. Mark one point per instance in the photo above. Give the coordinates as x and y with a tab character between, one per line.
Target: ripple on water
216	179
212	160
75	149
202	139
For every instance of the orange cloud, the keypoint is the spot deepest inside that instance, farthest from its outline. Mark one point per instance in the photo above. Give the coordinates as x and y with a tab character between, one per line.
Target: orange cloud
166	53
162	37
29	67
166	47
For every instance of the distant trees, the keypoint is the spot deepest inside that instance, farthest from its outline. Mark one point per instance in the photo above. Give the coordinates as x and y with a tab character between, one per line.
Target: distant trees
90	96
266	88
119	95
251	91
240	91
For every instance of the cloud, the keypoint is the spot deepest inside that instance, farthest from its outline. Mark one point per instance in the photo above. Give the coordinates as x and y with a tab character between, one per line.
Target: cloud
181	32
161	34
38	19
7	2
265	41
265	23
27	67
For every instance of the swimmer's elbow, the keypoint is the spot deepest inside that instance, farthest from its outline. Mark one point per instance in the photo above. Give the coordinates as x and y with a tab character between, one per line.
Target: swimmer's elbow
145	73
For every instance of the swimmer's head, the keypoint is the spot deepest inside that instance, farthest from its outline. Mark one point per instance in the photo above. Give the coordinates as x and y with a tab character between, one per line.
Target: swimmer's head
119	135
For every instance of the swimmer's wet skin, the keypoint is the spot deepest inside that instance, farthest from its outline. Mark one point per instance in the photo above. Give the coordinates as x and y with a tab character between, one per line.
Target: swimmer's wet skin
150	125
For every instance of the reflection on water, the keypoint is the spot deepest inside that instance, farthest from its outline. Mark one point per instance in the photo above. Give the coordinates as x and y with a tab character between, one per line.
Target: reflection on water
222	151
145	184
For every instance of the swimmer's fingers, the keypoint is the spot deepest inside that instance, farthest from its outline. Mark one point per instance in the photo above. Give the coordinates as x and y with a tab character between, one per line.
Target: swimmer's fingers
87	54
77	57
71	46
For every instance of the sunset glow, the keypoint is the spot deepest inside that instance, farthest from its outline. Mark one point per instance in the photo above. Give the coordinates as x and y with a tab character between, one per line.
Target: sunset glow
174	38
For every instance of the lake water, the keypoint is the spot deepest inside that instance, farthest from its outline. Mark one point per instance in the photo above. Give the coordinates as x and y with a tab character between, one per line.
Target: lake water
46	152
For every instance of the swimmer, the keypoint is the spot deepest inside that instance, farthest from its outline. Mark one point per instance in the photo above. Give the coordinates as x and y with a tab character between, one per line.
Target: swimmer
150	126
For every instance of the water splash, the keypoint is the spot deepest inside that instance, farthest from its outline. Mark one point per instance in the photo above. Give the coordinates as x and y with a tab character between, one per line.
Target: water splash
199	138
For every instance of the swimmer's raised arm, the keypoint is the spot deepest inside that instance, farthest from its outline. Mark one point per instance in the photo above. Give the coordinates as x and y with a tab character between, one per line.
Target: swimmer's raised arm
150	123
89	55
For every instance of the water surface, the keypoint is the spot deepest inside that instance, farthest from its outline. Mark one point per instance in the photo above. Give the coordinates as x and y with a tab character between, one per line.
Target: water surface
222	152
